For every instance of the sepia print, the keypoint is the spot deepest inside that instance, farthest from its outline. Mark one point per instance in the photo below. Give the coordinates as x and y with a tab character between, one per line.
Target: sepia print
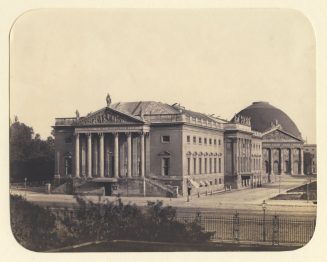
162	130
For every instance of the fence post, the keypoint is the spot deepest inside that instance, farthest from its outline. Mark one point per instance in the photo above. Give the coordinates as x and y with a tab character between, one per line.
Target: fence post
236	227
275	233
198	217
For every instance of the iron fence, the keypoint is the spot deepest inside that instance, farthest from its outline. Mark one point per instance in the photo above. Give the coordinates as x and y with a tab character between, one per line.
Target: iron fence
272	229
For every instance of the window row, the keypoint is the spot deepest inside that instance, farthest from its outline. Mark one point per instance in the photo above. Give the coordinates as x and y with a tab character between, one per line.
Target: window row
203	165
205	140
255	146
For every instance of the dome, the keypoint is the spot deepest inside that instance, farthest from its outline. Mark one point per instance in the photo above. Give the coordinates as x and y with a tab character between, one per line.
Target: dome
263	114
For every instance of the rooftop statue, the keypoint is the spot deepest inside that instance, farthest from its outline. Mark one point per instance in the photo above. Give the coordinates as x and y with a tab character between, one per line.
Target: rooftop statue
77	114
108	99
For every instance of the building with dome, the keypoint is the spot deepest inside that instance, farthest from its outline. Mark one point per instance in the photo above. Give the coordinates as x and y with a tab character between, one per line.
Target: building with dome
154	149
282	144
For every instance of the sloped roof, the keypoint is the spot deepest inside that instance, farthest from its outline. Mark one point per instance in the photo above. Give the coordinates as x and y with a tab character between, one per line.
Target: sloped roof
147	107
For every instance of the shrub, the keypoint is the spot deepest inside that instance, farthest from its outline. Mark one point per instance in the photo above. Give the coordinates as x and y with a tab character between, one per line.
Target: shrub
33	226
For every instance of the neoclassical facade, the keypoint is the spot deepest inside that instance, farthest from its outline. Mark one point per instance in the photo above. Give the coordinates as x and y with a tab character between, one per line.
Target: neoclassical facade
141	147
155	149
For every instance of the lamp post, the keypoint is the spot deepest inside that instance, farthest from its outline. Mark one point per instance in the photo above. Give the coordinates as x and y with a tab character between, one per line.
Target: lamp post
264	207
25	179
308	183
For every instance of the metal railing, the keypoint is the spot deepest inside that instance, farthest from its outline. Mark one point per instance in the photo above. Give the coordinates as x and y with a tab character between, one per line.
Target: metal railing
274	229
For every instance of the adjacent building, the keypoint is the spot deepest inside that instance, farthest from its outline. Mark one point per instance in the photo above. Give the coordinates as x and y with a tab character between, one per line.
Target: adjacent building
282	144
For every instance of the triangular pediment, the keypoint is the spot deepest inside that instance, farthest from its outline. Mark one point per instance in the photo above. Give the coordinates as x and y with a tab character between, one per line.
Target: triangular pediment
275	134
108	116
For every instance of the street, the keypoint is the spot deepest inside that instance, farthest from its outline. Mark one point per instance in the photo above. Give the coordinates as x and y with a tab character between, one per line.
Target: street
245	202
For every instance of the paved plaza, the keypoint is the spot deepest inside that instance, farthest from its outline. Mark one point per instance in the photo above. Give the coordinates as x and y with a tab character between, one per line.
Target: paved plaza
246	201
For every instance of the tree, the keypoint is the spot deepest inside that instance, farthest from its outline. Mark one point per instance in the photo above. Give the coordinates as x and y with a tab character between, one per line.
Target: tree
30	157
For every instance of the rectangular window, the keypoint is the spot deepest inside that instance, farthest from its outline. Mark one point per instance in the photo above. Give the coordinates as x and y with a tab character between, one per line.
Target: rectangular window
194	139
200	165
205	141
200	140
188	139
215	142
188	166
194	165
215	165
219	165
210	141
219	142
219	180
205	166
165	139
210	165
165	166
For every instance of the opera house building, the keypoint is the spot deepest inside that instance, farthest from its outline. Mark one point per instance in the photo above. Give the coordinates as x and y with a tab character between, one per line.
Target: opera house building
150	148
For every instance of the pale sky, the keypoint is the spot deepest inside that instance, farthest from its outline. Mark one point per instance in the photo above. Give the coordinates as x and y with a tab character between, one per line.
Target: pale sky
209	60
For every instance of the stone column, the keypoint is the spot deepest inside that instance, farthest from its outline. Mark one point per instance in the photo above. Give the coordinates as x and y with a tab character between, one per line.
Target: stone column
89	155
95	156
301	163
291	162
76	155
107	156
101	154
116	154
142	155
129	154
147	153
83	155
281	161
271	164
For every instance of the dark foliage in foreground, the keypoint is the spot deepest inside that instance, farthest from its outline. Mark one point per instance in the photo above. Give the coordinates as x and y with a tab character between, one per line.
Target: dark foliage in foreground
38	229
118	221
33	227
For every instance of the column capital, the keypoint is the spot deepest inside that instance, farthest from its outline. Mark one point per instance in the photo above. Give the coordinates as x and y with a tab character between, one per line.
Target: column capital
88	134
76	134
128	134
115	134
100	134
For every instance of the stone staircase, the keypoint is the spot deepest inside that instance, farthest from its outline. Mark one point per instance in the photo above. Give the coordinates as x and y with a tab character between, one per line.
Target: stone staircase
166	191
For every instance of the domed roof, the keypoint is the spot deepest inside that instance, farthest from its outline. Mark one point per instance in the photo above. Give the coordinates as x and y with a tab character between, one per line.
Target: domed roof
263	114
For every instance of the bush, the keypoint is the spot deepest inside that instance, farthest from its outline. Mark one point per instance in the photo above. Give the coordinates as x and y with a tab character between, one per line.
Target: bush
37	229
116	221
33	227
